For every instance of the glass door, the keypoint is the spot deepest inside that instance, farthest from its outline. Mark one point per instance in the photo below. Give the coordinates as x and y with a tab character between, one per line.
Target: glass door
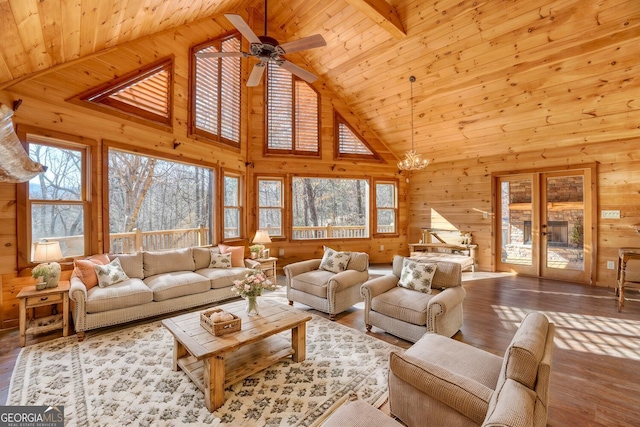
544	224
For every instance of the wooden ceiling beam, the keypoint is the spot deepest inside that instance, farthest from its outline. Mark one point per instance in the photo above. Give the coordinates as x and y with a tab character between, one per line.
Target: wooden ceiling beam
383	14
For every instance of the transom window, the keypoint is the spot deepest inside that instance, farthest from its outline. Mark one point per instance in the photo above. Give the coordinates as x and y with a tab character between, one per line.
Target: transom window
349	144
215	94
292	114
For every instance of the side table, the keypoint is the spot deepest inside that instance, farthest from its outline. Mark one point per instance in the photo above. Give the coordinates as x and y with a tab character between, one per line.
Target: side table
31	298
268	266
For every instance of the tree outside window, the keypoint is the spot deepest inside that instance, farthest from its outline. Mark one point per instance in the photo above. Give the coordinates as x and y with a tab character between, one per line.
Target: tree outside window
56	199
232	206
386	207
270	205
330	208
156	204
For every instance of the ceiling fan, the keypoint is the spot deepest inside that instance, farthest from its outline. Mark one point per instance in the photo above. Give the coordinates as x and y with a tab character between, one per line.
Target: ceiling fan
267	49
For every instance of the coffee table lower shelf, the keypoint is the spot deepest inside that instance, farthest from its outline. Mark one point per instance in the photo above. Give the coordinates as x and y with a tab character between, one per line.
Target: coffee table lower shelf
240	363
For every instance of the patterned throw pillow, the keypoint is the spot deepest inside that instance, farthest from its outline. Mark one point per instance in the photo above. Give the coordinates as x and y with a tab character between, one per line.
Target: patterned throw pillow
334	261
417	275
219	260
110	274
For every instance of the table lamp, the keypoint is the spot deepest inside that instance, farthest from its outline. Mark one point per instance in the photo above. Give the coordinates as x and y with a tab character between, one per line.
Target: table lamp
47	253
262	237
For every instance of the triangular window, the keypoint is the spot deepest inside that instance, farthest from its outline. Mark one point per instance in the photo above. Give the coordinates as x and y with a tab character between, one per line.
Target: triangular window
349	144
143	94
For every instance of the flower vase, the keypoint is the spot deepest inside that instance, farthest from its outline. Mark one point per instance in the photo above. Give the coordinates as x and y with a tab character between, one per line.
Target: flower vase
252	306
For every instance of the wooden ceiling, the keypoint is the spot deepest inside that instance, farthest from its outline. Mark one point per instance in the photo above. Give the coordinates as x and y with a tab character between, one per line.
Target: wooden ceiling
492	76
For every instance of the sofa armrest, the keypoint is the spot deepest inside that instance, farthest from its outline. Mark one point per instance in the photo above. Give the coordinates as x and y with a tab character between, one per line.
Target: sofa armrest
446	300
346	279
463	394
377	286
296	268
77	290
78	295
252	264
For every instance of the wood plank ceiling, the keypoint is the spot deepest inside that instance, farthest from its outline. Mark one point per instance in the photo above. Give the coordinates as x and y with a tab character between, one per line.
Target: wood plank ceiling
493	77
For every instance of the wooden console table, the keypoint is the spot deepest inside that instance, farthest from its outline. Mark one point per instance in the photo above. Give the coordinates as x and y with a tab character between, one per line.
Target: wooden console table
31	298
624	281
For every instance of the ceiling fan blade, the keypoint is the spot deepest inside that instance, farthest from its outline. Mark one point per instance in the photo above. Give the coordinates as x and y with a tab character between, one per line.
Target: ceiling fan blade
256	74
298	71
304	43
219	54
243	27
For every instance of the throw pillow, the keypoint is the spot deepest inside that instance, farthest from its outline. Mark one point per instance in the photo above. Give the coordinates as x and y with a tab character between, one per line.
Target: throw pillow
110	274
219	260
83	269
417	275
334	261
237	254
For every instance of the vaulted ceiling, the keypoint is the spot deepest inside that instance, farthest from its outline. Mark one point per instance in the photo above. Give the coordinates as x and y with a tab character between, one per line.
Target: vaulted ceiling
492	76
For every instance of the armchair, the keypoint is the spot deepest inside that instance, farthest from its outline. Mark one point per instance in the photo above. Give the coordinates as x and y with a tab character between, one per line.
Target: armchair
407	313
309	283
451	383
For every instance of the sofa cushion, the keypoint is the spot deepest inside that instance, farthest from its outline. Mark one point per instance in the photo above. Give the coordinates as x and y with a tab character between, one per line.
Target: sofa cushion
110	274
131	292
202	256
526	349
334	261
314	282
403	304
358	261
237	254
83	269
512	405
223	277
176	284
131	264
168	261
220	261
417	276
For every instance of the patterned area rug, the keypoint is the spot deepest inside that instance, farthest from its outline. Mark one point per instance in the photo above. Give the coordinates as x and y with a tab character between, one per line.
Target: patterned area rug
125	378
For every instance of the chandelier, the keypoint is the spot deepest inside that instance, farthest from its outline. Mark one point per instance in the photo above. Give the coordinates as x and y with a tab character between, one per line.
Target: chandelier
412	160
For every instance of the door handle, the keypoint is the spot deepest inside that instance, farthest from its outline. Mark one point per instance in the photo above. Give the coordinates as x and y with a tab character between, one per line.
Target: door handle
543	233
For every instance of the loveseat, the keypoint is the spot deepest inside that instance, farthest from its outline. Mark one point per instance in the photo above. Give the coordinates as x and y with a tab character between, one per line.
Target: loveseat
156	283
408	313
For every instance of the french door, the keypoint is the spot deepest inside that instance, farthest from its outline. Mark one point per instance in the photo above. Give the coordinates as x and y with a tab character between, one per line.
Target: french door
544	224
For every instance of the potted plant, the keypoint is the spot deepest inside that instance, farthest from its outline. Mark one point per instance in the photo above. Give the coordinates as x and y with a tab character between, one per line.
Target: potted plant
255	250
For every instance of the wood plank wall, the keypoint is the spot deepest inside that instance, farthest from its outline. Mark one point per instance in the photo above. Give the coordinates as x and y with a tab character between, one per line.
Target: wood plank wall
447	193
44	107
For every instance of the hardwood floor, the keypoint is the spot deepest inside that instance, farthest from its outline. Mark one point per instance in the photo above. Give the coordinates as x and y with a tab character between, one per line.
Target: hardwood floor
595	377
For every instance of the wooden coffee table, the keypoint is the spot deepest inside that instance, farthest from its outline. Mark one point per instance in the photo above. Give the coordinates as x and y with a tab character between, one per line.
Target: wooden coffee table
215	362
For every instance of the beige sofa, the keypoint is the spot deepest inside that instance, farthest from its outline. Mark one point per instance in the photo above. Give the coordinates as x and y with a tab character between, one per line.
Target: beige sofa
159	283
408	314
443	382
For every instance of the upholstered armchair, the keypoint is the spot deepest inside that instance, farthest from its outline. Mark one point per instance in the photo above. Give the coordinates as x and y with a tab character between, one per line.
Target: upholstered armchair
408	313
450	383
331	284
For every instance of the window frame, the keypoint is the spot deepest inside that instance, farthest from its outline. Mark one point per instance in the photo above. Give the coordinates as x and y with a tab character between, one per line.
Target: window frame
88	149
201	134
223	206
338	155
293	151
375	208
284	215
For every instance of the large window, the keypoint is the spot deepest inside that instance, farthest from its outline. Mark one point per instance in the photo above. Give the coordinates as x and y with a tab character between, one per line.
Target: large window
270	205
57	206
232	209
330	208
386	211
157	204
216	88
292	113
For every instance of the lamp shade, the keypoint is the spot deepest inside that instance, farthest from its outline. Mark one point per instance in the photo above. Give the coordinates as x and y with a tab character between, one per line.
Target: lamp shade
261	237
47	252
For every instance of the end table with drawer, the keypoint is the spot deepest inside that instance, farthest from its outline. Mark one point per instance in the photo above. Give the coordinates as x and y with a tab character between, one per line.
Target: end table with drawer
268	266
31	298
